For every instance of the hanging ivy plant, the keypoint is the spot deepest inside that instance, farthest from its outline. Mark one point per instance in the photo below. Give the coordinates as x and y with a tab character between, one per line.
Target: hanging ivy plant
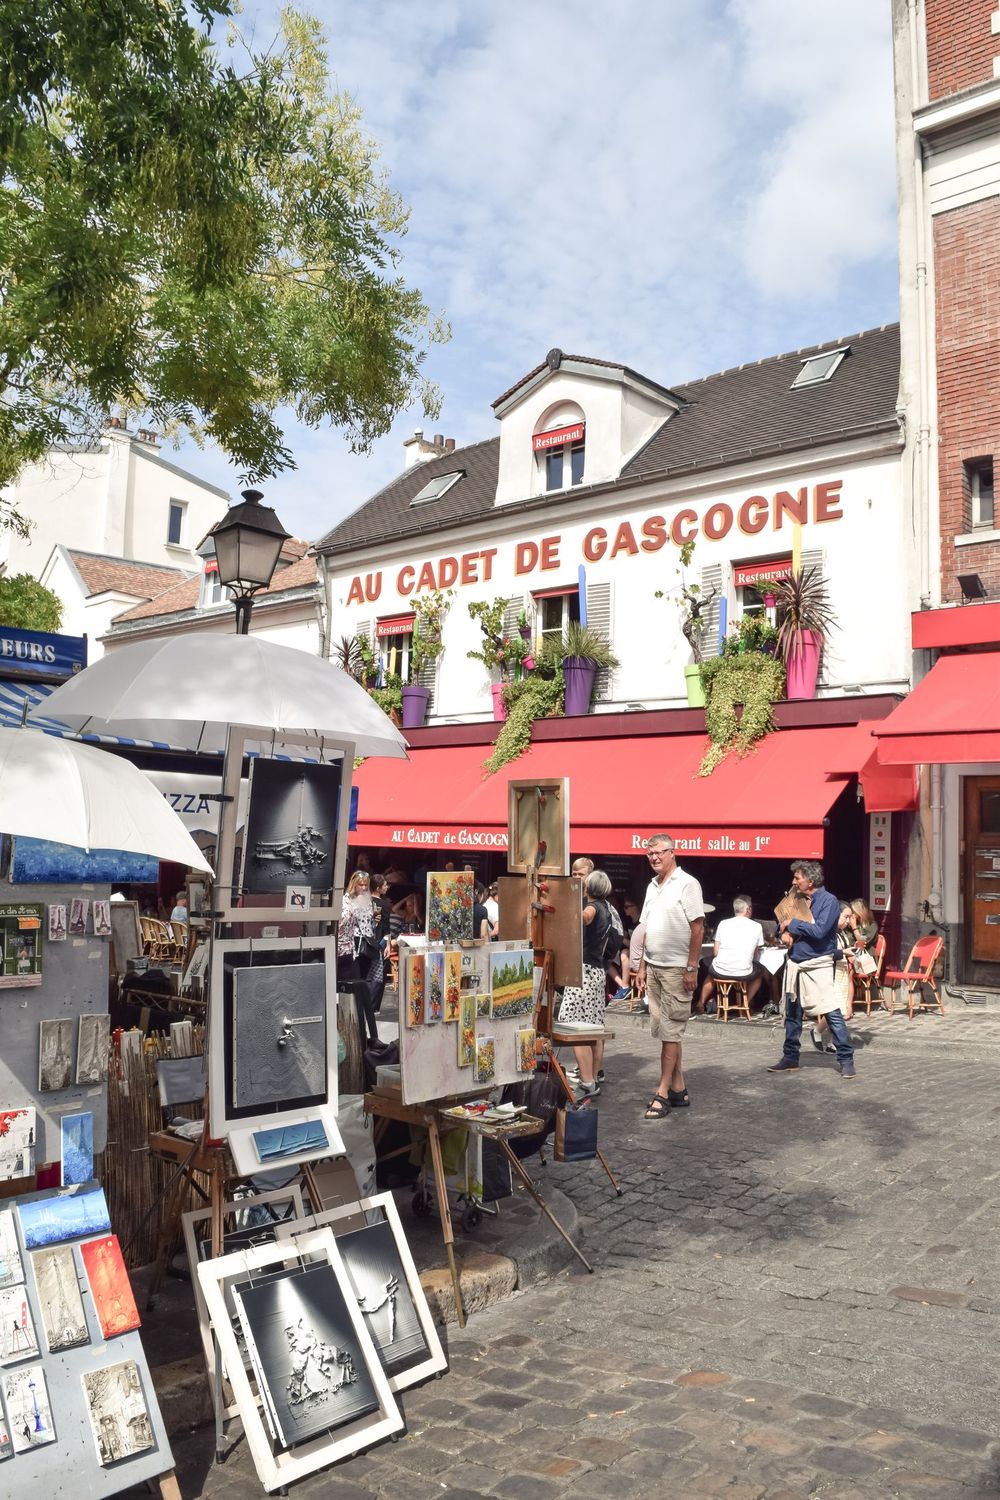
534	697
752	681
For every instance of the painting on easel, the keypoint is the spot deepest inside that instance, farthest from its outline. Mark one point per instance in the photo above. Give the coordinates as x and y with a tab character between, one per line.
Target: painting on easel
538	826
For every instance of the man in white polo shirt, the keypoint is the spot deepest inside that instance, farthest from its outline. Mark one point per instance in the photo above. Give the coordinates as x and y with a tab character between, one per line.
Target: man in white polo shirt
673	916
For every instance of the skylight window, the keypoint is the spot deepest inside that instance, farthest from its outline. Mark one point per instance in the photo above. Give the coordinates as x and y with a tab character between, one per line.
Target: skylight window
436	487
820	367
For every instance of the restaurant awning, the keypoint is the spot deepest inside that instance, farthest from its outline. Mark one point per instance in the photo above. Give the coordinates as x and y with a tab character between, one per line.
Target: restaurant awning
771	804
952	715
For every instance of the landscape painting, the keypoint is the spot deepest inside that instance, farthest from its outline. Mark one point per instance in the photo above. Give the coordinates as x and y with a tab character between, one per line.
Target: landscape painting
63	1215
119	1416
11	1268
17	1144
110	1286
26	1397
512	982
77	1138
450	900
17	1329
59	1300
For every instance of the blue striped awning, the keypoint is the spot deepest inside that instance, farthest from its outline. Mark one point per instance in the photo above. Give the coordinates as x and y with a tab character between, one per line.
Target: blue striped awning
18	699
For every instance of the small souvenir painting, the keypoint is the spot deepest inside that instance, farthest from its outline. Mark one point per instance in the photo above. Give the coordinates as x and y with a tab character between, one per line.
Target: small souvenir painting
55	1055
512	983
59	1300
110	1286
450	898
63	1215
77	1138
415	988
119	1416
78	913
452	984
17	1331
102	918
467	1031
57	924
26	1397
526	1061
11	1269
6	1446
17	1144
486	1062
92	1048
435	988
290	1140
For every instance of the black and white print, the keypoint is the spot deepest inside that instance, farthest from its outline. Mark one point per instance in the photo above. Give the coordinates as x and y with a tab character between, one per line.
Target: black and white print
291	826
55	1054
26	1397
376	1273
92	1048
119	1416
279	1035
59	1300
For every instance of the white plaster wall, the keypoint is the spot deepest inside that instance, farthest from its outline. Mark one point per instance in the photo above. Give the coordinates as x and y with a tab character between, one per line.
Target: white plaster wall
65	499
296	626
862	556
61	577
153	486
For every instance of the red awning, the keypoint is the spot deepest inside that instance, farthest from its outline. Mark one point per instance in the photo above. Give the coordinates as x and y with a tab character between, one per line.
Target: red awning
885	788
772	804
953	715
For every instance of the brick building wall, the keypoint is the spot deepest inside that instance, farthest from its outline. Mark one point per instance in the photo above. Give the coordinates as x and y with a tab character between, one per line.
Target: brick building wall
960	45
967	316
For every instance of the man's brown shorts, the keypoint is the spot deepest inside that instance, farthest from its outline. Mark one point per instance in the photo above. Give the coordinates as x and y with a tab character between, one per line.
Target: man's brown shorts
669	1003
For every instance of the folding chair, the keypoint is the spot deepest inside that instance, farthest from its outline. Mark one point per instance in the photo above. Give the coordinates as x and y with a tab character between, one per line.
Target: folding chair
915	973
864	984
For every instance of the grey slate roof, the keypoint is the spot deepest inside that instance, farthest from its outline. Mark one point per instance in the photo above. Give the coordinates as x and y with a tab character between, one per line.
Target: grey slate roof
729	416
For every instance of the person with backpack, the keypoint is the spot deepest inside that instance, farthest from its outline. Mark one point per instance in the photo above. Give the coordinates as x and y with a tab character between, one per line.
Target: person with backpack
585	1003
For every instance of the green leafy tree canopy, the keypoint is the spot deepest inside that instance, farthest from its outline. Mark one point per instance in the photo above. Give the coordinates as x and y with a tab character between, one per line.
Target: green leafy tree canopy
192	232
28	605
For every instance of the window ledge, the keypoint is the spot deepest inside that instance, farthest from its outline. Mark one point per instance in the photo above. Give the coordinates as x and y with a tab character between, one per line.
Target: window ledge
177	547
985	534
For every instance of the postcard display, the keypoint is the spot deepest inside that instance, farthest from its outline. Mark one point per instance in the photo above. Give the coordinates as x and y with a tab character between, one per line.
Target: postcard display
78	1412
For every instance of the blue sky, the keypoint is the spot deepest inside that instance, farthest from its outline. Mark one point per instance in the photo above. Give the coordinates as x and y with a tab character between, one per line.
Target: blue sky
682	185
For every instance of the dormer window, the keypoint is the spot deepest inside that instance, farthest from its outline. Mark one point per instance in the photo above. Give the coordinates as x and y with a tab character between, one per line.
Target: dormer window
436	487
561	451
819	368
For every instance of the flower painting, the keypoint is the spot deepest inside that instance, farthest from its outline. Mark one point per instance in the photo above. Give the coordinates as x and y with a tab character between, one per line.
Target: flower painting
416	984
435	988
450	897
452	984
486	1061
526	1061
512	982
466	1031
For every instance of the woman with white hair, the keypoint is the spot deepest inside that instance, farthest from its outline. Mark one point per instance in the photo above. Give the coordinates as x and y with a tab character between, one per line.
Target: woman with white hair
585	1003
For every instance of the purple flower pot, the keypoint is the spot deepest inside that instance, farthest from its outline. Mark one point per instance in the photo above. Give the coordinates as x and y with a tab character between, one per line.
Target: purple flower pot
415	701
579	673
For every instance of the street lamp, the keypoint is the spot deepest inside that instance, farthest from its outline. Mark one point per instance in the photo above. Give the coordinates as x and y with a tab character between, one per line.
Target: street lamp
248	543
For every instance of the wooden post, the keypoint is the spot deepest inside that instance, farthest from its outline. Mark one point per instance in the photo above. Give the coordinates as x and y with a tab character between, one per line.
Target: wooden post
351	1074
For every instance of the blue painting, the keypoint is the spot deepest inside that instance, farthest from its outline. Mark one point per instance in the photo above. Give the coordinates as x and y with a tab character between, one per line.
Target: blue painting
289	1140
41	862
77	1149
63	1215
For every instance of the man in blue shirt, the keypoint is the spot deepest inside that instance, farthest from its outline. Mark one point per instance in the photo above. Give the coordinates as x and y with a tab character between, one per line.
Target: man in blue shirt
810	974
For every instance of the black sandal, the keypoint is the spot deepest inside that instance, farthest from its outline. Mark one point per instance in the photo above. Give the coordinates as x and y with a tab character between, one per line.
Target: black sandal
652	1113
679	1098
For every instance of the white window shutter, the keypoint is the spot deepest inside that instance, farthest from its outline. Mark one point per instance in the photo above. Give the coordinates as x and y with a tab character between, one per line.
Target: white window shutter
515	607
711	581
812	557
599	618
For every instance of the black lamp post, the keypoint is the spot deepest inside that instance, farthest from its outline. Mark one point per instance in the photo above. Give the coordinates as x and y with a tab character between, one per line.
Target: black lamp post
248	543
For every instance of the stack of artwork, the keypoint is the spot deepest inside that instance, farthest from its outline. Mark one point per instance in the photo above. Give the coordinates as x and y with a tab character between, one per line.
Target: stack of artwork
67	1402
488	992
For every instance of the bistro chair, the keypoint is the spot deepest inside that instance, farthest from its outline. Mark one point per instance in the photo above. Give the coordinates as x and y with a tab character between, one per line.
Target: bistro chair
917	972
731	994
864	984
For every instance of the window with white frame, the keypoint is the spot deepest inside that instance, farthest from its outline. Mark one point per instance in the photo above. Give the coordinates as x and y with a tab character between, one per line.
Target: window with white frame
979	478
559	446
175	523
394	640
554	609
564	466
750	582
213	592
818	368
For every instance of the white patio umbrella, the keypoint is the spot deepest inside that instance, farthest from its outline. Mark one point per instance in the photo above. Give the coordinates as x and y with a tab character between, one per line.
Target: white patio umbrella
187	690
55	789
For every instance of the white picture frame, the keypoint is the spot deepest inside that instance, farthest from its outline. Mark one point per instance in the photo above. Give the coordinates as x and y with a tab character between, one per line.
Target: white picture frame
275	1470
345	1216
190	1221
241	1128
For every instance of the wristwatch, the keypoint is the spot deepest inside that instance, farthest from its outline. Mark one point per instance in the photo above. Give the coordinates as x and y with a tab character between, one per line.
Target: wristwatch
691	969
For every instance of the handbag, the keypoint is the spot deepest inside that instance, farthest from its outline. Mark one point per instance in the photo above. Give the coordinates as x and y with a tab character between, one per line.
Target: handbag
576	1133
365	948
863	962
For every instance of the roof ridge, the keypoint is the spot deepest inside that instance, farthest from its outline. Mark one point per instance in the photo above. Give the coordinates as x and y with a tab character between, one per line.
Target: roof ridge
128	562
773	359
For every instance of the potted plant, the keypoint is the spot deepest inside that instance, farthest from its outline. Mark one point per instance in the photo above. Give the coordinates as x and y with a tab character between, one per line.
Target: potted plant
740	687
692	603
426	646
582	653
389	696
524	626
805	619
753	633
508	656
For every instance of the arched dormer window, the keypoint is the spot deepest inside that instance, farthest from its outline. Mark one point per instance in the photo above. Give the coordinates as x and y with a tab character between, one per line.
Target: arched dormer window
559	444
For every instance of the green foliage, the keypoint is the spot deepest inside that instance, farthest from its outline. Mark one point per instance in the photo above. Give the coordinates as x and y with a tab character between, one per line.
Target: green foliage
27	605
803	604
534	697
751	680
368	662
348	656
501	653
429	612
194	233
584	642
691	602
389	696
754	633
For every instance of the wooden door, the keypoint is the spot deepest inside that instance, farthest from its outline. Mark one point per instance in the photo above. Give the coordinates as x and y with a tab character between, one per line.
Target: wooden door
982	869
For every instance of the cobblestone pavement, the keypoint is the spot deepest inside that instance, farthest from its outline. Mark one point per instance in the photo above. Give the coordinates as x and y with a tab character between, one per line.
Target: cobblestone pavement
796	1295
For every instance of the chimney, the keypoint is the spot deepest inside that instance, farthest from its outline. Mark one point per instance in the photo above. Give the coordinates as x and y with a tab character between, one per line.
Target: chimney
449	445
418	448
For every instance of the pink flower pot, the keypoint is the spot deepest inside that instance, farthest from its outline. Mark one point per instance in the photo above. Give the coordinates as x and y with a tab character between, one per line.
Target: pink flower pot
802	666
499	707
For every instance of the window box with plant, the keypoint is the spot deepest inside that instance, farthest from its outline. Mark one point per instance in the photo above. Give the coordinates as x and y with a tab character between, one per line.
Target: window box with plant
508	657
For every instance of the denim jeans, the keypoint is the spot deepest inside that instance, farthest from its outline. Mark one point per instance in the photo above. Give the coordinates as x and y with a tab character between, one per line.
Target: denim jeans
793	1031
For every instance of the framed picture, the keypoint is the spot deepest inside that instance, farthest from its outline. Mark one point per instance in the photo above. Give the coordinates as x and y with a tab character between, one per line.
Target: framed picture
17	1144
387	1285
126	934
538	820
451	895
273	1048
291	829
199	897
92	1047
58	923
119	1417
55	1054
21	935
301	1357
255	1221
